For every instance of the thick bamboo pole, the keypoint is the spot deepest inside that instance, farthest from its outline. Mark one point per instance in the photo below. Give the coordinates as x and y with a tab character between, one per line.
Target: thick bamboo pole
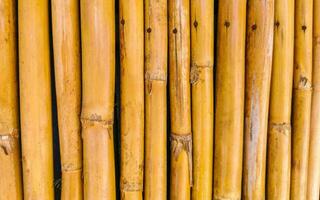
260	23
66	46
180	108
279	130
35	99
302	94
202	96
132	98
156	41
98	85
230	99
10	167
314	149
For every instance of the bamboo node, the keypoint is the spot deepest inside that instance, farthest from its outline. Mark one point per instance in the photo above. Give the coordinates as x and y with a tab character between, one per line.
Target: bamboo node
131	186
284	128
96	120
195	72
157	75
7	141
179	143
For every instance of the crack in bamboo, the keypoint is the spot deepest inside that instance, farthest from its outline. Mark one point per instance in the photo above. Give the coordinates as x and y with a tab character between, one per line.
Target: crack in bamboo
179	143
195	72
7	141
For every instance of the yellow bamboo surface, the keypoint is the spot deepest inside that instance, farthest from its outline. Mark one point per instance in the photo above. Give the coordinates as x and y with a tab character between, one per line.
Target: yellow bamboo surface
180	108
132	98
156	41
279	130
302	95
202	97
66	46
10	158
229	99
314	149
259	45
98	85
35	99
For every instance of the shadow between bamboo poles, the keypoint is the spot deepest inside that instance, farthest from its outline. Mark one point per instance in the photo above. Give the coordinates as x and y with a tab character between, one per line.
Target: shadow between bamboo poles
259	46
35	99
314	149
302	95
66	43
156	41
230	99
201	78
10	167
132	98
279	130
98	75
180	114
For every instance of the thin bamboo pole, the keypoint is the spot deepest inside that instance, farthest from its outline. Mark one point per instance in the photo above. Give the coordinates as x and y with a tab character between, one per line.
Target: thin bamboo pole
230	99
302	95
314	149
180	108
156	41
132	98
98	85
10	167
35	99
260	23
66	46
202	96
279	130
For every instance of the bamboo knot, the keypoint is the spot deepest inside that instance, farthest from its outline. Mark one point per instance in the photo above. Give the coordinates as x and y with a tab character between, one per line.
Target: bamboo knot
283	128
195	72
131	186
179	143
96	120
7	141
157	75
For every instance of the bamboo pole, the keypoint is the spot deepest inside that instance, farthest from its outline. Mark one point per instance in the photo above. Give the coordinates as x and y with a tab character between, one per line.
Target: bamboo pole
180	114
156	41
66	46
314	149
202	96
35	99
302	95
230	99
279	130
132	98
260	23
98	85
10	167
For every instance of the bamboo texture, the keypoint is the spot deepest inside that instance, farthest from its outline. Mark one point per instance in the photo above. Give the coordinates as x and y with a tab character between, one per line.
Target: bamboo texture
132	103
302	95
66	46
279	130
156	41
201	78
35	99
260	23
180	106
10	167
97	114
313	189
230	83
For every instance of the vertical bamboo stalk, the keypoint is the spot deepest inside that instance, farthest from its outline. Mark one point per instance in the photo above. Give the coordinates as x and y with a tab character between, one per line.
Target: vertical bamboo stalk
260	23
180	108
230	99
35	99
279	130
202	96
302	94
132	98
314	149
156	41
98	85
10	167
66	46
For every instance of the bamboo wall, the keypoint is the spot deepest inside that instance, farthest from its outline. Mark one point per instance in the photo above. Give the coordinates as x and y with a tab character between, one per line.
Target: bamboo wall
160	99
